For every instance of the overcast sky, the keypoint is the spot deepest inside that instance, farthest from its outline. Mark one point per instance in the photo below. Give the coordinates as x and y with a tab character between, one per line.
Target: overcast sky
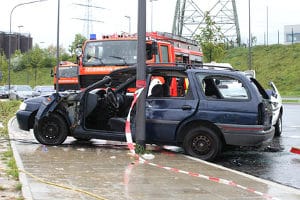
40	19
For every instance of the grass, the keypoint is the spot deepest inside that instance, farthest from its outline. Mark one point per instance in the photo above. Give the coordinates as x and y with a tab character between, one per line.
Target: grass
12	167
7	111
277	63
19	187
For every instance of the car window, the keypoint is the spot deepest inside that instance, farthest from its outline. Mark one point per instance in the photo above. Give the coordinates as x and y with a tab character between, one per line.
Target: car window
169	86
222	87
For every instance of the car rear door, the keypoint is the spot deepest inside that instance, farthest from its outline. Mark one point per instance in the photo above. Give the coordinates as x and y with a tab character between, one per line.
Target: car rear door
164	115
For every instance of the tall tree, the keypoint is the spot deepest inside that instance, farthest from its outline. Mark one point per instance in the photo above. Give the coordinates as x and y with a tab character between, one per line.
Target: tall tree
36	60
79	40
211	40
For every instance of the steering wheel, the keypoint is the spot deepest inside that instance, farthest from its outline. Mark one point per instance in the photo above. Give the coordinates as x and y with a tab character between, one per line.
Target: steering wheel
112	97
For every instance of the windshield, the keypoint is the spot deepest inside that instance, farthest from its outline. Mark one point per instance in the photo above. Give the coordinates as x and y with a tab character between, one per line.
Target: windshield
116	52
23	88
68	72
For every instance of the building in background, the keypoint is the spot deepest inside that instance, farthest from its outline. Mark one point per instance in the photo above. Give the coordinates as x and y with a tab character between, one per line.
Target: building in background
22	42
292	34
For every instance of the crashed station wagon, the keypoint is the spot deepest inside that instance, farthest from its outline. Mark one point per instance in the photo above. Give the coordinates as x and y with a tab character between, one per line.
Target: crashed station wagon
199	109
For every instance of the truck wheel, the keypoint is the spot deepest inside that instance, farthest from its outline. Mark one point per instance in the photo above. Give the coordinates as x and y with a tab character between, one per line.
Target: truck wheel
203	143
278	126
51	130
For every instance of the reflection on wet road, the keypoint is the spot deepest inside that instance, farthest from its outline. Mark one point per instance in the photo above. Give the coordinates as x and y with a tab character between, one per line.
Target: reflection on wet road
273	161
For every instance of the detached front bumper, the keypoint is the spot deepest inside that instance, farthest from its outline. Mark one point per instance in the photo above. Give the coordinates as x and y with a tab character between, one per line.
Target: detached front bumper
24	120
245	135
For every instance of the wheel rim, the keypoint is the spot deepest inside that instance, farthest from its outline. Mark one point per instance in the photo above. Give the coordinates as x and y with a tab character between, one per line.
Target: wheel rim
201	145
50	130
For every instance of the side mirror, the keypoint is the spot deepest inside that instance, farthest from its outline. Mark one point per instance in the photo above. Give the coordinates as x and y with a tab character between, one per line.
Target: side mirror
151	49
78	52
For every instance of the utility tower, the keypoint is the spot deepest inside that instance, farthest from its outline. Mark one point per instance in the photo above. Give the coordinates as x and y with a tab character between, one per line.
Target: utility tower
189	17
88	17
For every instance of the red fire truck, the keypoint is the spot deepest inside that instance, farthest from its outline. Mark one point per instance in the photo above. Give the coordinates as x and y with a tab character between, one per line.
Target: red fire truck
68	76
98	57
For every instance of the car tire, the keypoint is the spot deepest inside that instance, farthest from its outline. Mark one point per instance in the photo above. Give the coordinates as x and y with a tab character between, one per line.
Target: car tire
202	143
278	126
51	130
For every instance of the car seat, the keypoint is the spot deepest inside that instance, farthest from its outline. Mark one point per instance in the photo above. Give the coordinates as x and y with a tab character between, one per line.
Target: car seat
157	91
211	89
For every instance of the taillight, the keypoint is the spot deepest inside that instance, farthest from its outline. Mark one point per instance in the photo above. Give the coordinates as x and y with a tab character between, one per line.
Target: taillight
264	114
261	114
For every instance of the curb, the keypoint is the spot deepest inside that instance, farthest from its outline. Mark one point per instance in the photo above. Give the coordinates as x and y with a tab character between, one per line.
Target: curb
22	176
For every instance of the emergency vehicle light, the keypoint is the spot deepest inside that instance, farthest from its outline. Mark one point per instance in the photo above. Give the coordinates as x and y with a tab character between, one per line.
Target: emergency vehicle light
92	36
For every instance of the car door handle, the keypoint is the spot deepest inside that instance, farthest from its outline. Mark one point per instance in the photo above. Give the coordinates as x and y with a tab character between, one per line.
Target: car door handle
186	107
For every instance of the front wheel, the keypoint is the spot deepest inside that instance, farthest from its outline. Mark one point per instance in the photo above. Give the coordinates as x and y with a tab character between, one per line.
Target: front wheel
51	130
202	143
278	126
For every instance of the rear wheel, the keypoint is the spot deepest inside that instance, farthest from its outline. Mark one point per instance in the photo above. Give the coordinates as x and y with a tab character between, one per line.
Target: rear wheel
51	130
203	143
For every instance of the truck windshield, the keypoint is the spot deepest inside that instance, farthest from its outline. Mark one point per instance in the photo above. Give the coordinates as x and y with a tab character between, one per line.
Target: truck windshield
68	72
112	52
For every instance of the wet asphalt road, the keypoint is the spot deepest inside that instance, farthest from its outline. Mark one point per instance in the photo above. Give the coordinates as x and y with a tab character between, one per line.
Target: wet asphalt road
272	161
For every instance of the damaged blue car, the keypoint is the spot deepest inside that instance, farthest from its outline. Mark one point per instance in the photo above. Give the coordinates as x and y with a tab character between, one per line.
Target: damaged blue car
199	109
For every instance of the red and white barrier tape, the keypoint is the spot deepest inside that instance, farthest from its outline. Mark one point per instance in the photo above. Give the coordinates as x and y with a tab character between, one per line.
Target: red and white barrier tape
210	178
295	150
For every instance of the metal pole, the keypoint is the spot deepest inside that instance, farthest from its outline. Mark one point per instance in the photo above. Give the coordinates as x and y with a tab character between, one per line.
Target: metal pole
292	35
57	48
28	40
141	74
250	40
267	25
9	38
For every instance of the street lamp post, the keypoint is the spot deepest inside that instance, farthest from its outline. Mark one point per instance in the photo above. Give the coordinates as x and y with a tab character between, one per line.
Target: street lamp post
129	23
9	38
57	47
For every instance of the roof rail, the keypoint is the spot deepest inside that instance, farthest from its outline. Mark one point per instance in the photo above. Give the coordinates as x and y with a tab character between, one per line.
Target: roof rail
216	66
